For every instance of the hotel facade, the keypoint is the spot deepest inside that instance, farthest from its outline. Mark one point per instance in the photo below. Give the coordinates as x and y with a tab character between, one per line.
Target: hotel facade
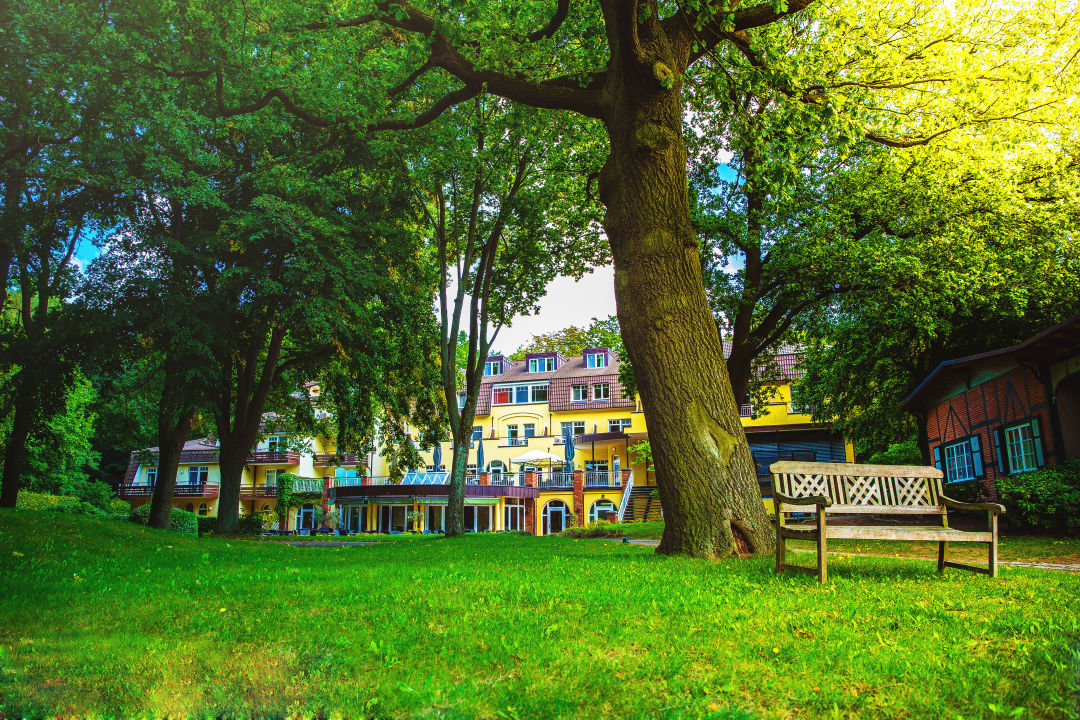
552	446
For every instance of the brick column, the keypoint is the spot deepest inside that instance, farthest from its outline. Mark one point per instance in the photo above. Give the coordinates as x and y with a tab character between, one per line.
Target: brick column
579	496
485	478
625	476
530	515
326	494
530	479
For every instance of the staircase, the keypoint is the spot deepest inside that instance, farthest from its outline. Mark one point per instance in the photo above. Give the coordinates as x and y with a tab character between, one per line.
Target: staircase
642	505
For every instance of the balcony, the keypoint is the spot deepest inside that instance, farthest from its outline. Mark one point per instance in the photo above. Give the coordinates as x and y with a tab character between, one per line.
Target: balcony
310	486
273	457
258	491
180	490
746	411
556	480
342	460
516	442
601	478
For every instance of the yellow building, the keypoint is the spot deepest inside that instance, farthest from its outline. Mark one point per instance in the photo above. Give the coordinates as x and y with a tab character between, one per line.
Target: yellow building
529	409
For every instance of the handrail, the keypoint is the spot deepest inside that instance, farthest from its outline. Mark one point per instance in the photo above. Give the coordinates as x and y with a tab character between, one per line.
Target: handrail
626	495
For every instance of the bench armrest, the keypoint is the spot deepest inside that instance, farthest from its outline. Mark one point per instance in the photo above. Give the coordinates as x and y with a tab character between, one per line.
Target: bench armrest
819	500
958	505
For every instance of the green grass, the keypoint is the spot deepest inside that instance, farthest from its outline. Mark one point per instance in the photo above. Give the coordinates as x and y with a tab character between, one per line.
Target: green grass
99	618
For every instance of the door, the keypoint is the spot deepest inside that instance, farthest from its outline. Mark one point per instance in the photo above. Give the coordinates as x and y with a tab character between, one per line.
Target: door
554	517
436	518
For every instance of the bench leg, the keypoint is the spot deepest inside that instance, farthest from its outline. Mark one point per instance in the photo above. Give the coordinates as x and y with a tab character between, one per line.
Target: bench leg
822	569
993	545
942	547
781	548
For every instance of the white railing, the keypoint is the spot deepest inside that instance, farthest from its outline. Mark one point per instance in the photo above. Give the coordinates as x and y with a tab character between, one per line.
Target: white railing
307	485
625	502
746	411
517	441
600	478
557	480
502	478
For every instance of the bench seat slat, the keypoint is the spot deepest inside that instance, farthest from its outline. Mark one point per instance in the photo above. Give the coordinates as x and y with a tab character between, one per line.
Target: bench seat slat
888	532
868	509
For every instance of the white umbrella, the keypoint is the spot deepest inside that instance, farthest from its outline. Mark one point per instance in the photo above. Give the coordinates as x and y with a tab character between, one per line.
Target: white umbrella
538	457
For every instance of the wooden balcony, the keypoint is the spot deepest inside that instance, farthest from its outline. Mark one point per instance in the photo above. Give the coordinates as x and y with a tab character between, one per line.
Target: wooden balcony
273	457
342	460
258	491
129	492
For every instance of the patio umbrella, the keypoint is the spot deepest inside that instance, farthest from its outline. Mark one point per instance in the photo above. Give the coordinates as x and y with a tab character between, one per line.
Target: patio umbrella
537	457
568	447
436	457
480	455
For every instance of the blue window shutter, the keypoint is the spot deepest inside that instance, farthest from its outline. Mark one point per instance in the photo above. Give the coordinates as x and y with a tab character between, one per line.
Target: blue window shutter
937	458
1002	453
976	456
1037	437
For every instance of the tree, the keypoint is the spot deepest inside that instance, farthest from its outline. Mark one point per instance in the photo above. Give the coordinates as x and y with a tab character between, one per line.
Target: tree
635	67
501	229
573	340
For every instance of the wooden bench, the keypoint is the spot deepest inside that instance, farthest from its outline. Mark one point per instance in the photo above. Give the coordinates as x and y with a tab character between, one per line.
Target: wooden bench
825	489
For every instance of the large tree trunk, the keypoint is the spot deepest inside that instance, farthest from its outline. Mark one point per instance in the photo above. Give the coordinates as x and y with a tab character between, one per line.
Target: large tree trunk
704	470
231	461
171	438
455	503
16	447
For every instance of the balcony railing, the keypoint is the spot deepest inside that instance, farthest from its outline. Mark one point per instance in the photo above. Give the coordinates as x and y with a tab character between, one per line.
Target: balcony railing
746	411
307	485
557	480
179	490
472	479
258	491
343	460
517	442
274	457
601	478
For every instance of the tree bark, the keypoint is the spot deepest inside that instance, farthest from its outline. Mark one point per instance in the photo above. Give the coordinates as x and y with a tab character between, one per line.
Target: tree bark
172	434
704	469
231	461
455	502
16	447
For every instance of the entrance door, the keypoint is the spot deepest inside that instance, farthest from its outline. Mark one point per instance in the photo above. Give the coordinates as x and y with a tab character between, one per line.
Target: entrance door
436	518
305	518
392	518
470	518
555	513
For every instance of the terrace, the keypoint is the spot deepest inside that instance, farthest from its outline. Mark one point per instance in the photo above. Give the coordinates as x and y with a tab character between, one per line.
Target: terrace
274	457
128	492
341	460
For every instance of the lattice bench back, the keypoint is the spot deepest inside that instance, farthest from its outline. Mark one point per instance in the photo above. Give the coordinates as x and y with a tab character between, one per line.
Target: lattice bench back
884	489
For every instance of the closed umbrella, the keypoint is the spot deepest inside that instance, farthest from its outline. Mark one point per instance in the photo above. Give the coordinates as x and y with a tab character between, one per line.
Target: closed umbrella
436	457
480	455
568	446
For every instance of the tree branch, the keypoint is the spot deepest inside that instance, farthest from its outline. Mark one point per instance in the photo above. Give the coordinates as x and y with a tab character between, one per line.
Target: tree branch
556	21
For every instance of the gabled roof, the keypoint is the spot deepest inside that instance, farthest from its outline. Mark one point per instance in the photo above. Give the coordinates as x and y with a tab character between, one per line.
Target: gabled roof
1049	345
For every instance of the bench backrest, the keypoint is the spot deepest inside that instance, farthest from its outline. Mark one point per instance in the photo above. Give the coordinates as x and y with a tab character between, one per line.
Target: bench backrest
884	489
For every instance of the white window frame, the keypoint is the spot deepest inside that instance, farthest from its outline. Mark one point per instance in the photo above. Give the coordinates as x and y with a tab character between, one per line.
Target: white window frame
200	472
495	391
528	430
151	476
533	393
514	515
601	392
958	457
271	472
492	367
579	393
275	443
594	511
539	365
596	360
619	425
574	426
1016	438
512	431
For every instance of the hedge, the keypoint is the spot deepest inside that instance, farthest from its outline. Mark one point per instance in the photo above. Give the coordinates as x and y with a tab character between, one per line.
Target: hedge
1046	499
180	521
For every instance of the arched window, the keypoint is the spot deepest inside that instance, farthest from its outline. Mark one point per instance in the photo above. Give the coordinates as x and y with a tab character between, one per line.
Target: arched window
496	468
266	508
190	507
202	509
556	515
599	509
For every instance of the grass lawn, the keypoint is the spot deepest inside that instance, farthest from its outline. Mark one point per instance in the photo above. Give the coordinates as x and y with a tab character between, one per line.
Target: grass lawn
99	618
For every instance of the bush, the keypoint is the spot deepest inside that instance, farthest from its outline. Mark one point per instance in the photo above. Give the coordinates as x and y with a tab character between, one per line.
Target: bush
180	521
41	501
1046	499
598	529
95	493
905	453
207	524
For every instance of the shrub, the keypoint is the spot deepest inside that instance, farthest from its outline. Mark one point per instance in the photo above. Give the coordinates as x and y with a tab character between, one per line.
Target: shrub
180	521
41	501
1046	499
905	453
254	523
207	524
95	493
598	529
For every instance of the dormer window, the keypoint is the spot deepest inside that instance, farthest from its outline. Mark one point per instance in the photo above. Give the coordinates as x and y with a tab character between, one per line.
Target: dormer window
543	364
492	367
595	359
460	400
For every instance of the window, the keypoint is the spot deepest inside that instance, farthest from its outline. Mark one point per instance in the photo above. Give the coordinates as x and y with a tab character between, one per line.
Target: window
202	509
151	476
576	428
618	425
596	360
514	515
460	400
521	394
477	432
539	393
600	509
266	508
577	393
1020	446
555	516
271	478
958	463
530	430
541	364
190	507
511	431
492	367
275	443
503	396
197	475
600	391
797	407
